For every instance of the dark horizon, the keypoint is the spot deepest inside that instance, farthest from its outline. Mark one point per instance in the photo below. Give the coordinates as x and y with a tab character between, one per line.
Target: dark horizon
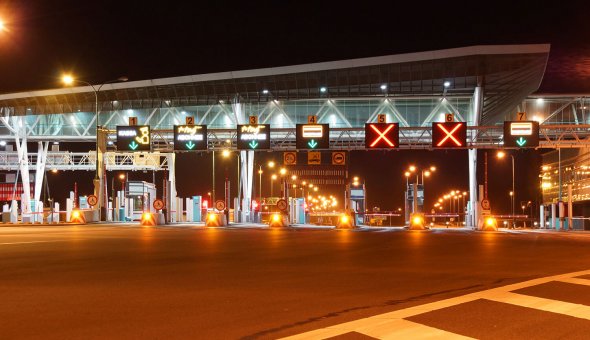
104	40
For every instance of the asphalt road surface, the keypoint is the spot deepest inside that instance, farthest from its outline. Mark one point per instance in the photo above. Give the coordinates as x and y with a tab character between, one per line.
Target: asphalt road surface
227	283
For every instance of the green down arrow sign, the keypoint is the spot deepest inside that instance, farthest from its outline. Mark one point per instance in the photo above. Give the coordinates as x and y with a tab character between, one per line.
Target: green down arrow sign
190	145
133	145
312	144
253	144
521	142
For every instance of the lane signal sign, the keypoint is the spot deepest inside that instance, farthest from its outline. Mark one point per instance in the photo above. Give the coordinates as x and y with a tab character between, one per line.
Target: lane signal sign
381	135
521	134
312	136
449	135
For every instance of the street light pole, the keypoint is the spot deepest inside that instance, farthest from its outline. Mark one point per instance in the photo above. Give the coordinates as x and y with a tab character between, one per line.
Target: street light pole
213	189
513	192
260	183
68	80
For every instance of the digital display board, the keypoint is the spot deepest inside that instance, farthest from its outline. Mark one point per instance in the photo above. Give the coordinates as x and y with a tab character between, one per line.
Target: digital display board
381	136
253	137
449	135
134	138
521	134
312	136
190	137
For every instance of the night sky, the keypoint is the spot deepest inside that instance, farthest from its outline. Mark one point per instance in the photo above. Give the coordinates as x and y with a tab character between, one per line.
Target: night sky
144	40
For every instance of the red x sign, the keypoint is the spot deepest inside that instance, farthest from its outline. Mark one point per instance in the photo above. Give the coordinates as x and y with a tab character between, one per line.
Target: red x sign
449	135
381	135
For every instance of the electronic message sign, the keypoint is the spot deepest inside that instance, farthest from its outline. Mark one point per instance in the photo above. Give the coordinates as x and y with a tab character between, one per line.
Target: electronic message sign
449	135
522	134
253	137
133	138
312	136
381	136
190	137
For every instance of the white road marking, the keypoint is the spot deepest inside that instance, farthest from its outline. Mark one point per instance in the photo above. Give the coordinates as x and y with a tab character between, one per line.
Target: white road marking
392	325
548	305
576	281
26	242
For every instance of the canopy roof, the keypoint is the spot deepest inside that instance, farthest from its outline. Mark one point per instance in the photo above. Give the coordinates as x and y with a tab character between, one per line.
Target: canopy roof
508	74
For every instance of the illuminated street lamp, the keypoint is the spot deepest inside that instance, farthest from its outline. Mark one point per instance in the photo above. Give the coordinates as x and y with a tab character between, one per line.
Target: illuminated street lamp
68	80
501	155
272	178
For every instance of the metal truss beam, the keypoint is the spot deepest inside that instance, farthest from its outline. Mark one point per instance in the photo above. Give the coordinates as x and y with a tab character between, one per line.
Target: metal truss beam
86	160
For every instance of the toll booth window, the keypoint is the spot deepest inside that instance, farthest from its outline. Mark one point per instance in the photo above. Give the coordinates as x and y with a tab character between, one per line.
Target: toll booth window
140	202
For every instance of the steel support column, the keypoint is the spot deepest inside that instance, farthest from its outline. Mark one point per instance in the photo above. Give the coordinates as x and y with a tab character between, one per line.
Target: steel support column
473	211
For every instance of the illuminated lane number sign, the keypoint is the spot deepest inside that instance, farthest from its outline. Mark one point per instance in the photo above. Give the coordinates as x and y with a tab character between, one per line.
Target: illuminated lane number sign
521	134
449	135
253	137
190	137
312	136
381	136
133	138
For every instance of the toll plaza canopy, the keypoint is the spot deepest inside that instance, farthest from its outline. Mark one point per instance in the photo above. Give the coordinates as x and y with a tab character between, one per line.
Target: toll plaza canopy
343	93
479	85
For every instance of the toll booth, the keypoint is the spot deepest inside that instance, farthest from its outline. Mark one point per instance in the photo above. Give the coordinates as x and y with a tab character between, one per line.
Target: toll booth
139	197
297	210
267	208
409	202
357	202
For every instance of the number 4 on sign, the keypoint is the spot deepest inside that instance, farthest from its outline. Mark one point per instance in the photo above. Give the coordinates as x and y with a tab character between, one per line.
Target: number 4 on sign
312	119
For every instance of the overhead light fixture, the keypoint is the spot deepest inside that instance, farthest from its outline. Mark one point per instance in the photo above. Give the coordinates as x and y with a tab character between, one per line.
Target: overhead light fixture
383	87
447	83
265	91
2	143
323	89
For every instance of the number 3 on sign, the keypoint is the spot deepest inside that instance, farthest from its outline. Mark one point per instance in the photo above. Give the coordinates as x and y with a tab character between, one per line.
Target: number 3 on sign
312	119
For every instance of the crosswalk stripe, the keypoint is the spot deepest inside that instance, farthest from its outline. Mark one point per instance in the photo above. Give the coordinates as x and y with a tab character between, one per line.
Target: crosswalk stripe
576	281
548	305
392	325
404	329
